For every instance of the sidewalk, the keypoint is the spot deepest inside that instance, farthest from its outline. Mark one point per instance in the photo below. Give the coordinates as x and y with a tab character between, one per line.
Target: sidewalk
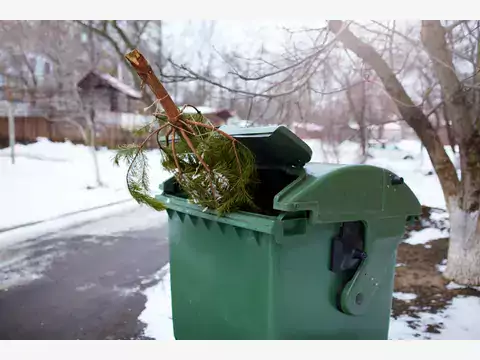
34	230
59	217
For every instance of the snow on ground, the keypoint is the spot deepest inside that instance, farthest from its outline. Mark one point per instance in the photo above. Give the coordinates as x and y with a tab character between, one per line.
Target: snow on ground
158	309
425	235
404	296
454	323
456	320
442	266
455	286
459	321
51	179
415	169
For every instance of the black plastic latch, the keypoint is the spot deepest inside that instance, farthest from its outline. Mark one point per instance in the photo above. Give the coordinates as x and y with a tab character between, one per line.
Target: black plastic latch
348	248
396	180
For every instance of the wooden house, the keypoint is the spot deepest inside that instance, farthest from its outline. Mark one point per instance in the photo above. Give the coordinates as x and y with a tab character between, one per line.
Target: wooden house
104	92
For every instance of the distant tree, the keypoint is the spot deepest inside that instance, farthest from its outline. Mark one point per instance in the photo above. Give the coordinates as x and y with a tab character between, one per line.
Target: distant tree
49	57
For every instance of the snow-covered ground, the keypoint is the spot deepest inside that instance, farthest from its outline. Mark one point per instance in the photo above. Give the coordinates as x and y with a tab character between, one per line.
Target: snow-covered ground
458	321
52	179
158	309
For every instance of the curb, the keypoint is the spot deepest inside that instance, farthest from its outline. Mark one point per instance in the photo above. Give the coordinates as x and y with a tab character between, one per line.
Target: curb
3	230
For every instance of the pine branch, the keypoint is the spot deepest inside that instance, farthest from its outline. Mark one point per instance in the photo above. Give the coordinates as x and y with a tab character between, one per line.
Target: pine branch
211	167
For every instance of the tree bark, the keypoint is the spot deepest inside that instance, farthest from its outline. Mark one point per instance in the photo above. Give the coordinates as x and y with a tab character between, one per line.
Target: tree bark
463	264
91	144
145	72
458	108
448	126
359	115
462	198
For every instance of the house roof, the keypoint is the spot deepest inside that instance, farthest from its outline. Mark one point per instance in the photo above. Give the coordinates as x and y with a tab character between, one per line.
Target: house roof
112	82
121	86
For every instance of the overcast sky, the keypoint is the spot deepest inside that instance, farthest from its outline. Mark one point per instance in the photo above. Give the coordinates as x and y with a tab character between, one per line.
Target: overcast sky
188	38
243	36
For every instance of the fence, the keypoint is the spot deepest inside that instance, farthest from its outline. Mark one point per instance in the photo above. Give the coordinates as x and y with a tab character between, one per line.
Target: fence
28	129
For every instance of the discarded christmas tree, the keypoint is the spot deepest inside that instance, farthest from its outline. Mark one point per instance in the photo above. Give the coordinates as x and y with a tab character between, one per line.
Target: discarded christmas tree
214	169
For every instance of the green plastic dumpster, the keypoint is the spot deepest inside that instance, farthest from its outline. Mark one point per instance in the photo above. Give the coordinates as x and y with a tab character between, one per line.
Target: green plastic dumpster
317	264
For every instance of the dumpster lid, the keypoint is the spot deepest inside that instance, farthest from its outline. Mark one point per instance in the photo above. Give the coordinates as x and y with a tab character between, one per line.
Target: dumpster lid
341	193
272	145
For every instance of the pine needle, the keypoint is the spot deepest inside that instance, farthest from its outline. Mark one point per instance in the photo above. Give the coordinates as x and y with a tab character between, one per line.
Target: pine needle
215	170
226	188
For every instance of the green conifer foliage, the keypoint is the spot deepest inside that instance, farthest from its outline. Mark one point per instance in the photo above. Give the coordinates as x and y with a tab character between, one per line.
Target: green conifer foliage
220	174
215	170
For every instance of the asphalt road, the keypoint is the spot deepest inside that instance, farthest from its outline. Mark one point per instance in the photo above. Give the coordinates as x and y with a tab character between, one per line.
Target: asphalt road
83	282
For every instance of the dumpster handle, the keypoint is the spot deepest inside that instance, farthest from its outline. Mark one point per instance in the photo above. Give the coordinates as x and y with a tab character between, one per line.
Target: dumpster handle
293	224
372	273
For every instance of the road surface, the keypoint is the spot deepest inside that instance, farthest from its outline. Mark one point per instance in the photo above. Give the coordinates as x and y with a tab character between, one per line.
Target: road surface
85	281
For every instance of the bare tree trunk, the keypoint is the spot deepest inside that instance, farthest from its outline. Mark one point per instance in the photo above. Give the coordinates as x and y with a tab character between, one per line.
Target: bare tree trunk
93	151
381	131
90	118
463	265
462	198
359	116
88	135
464	246
448	127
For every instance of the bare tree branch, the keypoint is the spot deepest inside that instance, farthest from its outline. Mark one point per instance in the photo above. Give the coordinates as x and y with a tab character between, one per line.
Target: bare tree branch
411	113
454	25
435	108
433	37
129	45
303	60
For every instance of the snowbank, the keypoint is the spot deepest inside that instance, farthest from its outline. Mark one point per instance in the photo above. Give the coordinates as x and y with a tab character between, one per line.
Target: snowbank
51	179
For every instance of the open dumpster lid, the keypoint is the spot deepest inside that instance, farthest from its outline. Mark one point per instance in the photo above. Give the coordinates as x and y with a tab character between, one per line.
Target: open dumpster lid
272	145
